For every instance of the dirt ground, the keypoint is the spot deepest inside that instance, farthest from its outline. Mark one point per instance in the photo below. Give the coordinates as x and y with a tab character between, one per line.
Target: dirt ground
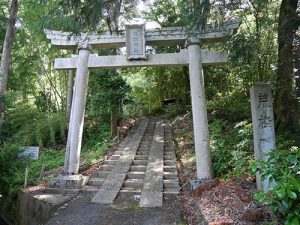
222	202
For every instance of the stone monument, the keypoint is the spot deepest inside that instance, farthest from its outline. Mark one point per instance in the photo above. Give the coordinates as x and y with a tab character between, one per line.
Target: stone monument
263	127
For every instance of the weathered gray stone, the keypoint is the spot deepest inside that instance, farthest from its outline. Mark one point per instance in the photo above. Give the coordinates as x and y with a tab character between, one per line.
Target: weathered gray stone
115	179
169	59
153	182
165	35
36	209
151	199
263	127
68	181
73	149
200	122
105	196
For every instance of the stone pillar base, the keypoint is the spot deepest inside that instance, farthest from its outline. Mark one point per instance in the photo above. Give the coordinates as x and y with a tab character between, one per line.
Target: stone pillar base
68	181
200	185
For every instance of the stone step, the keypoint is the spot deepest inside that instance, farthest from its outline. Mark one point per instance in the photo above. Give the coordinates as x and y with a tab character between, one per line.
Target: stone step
148	139
171	184
140	162
148	136
169	157
169	153
118	152
96	182
90	189
142	152
134	183
106	167
141	157
110	162
170	169
135	175
131	190
145	145
171	191
115	157
101	174
170	176
139	168
61	191
169	162
146	142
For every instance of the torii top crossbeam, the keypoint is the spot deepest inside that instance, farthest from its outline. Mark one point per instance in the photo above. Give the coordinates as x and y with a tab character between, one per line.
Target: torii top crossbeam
169	35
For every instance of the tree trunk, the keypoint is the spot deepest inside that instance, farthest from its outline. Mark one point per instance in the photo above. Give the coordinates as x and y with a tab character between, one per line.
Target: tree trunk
70	91
297	67
187	88
7	46
6	57
286	103
6	52
114	121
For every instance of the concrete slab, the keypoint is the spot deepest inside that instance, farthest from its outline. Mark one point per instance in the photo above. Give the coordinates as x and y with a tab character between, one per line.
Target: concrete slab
68	181
152	192
114	182
151	199
105	196
53	199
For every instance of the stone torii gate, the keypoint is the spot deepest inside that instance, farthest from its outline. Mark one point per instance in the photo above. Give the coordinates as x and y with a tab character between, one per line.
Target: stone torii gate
135	39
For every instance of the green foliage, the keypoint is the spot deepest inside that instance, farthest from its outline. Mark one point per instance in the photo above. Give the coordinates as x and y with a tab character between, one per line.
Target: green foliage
11	177
196	14
283	169
51	158
231	146
232	107
171	111
25	125
107	89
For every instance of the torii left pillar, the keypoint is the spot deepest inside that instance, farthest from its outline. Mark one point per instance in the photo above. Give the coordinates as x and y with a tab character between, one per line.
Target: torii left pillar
200	122
71	178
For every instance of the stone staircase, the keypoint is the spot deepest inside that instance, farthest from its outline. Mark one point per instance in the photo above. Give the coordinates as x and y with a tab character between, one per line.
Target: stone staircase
134	177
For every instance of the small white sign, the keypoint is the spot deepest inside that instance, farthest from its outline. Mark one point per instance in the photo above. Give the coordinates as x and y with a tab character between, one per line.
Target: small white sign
32	152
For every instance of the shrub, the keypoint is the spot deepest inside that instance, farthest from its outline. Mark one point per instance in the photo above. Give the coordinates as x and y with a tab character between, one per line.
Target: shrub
11	169
231	146
283	167
172	111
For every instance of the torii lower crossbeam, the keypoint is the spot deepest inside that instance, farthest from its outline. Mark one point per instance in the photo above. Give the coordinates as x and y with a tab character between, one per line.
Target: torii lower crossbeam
168	59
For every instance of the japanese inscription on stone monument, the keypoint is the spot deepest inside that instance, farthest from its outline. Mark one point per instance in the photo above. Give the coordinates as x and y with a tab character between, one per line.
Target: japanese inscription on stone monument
263	126
135	41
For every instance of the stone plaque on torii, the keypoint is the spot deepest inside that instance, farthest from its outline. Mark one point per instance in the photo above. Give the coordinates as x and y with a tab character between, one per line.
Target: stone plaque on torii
135	39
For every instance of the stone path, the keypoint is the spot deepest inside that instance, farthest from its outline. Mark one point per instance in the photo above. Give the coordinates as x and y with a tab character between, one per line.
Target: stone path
144	164
137	185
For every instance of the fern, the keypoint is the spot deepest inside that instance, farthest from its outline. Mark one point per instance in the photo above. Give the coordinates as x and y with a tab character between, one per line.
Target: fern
26	125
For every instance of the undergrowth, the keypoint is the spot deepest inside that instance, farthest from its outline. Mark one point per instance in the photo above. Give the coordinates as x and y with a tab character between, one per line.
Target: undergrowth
283	170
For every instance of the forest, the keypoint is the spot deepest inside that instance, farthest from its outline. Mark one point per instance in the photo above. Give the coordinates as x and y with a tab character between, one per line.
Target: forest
36	99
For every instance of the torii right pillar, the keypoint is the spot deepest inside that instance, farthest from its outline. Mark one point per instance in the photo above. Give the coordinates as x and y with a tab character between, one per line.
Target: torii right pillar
199	109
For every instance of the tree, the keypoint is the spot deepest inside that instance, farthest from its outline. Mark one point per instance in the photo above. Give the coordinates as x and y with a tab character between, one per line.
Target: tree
286	103
6	52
